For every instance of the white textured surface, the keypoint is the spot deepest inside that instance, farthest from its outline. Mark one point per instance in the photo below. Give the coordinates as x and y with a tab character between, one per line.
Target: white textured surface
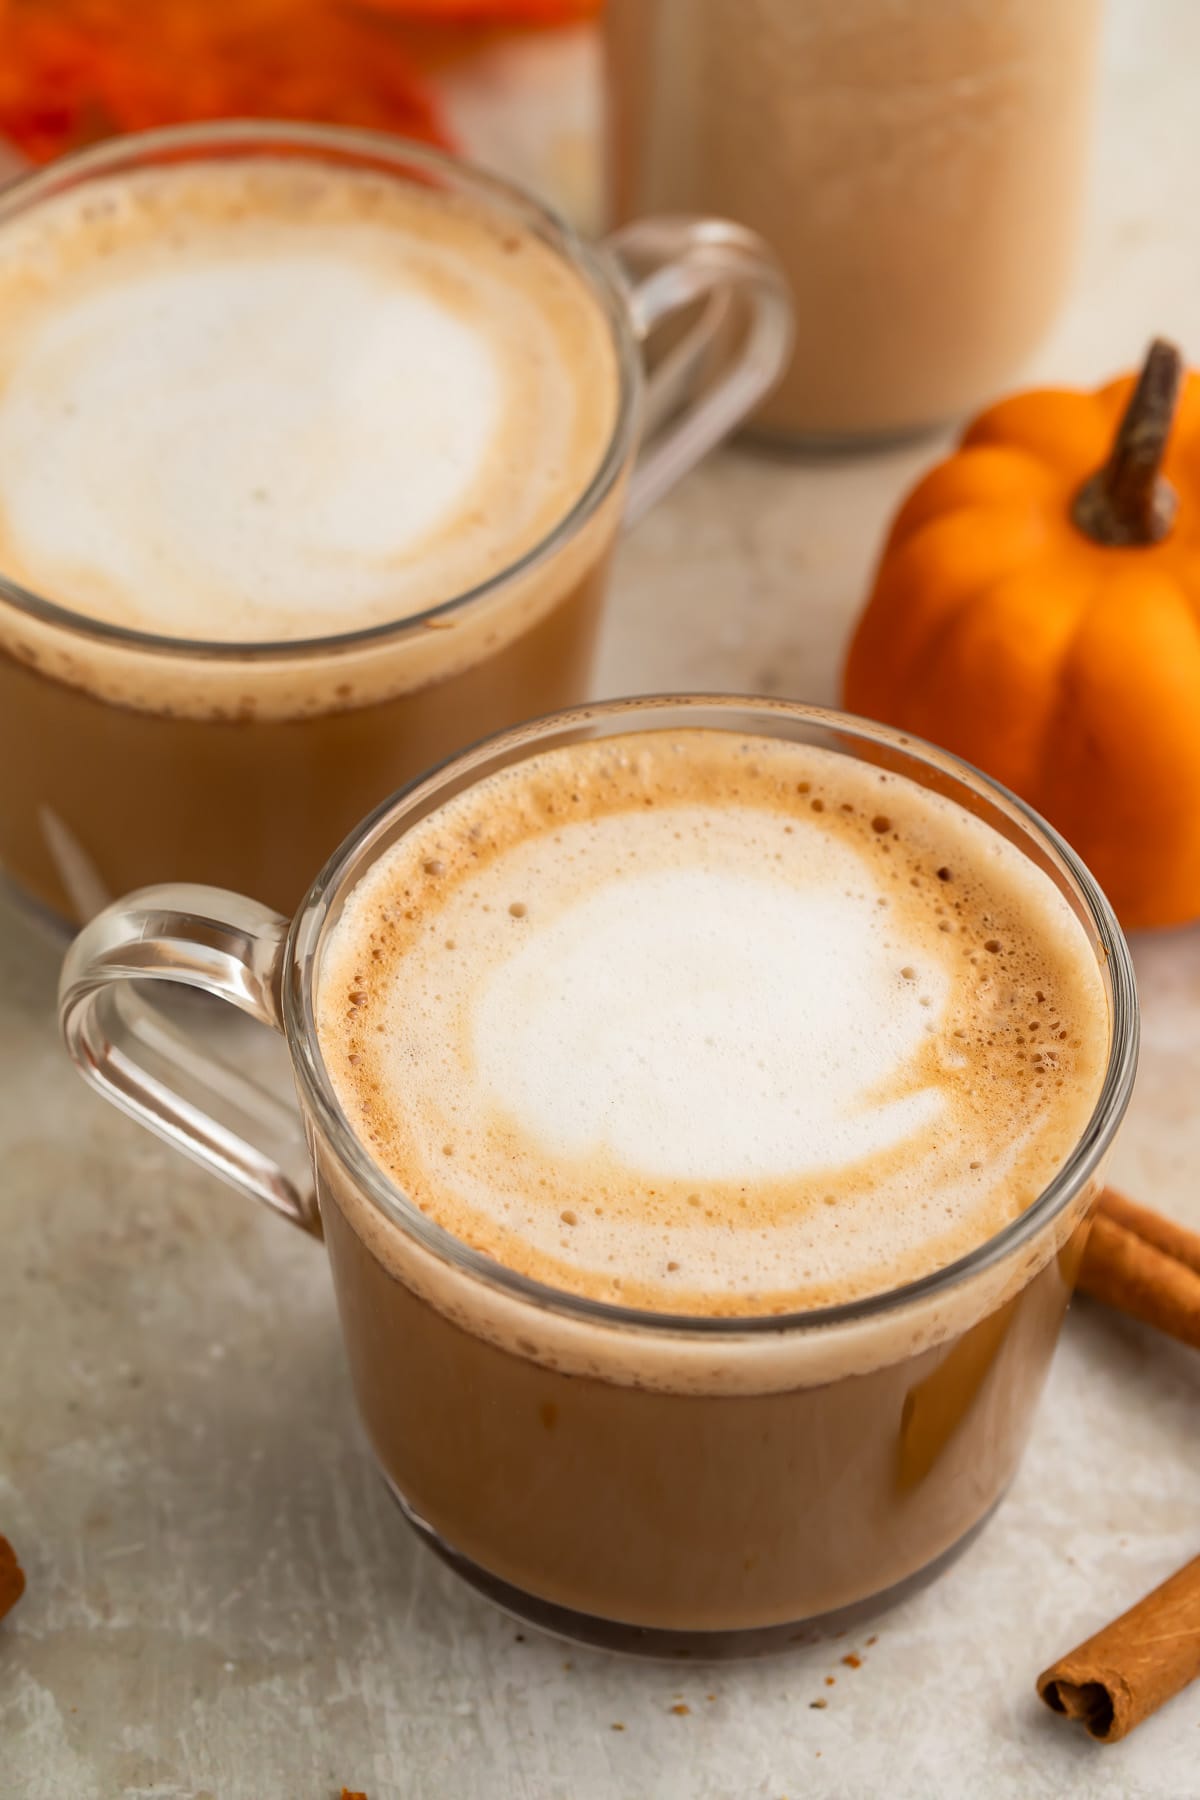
223	1605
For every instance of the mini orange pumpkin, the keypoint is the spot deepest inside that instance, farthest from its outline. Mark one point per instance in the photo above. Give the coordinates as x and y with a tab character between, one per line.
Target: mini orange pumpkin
1037	611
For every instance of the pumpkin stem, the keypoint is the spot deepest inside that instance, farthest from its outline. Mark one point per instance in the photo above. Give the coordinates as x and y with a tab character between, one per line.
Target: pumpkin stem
1128	502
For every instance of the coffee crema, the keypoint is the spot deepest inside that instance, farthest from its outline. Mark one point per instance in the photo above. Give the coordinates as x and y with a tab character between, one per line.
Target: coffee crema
711	1024
262	402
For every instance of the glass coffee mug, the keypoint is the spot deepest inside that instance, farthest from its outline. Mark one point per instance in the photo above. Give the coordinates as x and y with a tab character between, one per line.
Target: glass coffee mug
643	1480
131	755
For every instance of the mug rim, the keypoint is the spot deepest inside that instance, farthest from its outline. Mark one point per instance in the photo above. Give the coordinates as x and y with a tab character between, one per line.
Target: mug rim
357	852
393	156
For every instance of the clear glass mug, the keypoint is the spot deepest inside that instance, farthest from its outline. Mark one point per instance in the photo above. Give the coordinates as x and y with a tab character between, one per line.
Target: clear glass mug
92	714
640	1480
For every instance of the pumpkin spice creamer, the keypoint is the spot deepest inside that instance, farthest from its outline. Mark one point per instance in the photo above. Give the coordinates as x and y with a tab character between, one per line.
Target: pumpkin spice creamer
917	164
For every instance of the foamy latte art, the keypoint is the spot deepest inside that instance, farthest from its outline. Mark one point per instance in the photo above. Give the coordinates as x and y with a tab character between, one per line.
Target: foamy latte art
712	1024
265	401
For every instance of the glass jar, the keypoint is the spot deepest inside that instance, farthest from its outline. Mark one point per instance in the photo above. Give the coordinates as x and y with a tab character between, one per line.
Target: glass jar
918	165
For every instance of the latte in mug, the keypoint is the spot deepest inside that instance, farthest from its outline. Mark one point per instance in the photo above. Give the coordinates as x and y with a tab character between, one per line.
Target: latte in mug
706	1100
723	1027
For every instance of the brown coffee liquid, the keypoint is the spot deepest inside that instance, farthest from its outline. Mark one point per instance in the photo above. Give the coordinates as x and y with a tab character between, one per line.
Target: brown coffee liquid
103	798
688	1512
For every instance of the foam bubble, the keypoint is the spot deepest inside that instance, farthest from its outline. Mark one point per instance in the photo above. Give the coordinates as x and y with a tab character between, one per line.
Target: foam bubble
242	403
637	1019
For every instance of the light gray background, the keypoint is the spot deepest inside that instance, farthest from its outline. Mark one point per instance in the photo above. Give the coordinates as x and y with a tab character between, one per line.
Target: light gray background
223	1602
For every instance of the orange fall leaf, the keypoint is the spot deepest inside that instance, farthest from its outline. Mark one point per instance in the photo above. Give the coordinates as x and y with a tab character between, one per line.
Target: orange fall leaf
75	70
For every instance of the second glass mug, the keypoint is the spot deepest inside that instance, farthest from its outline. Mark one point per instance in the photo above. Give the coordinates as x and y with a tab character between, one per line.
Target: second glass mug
646	1481
109	787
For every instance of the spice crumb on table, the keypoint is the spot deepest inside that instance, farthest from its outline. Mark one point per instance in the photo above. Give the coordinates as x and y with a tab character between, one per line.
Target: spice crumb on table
12	1577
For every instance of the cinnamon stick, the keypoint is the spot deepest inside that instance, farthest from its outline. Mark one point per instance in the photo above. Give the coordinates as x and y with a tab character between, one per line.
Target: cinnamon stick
1144	1265
12	1577
1128	1670
1165	1234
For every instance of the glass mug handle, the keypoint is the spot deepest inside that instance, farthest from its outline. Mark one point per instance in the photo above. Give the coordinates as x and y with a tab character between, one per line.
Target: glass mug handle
227	946
666	265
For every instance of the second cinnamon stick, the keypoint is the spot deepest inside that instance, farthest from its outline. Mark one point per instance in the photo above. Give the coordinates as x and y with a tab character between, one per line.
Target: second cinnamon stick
1144	1265
1123	1673
1167	1235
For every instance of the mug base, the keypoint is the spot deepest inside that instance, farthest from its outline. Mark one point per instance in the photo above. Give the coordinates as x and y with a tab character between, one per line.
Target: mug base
654	1644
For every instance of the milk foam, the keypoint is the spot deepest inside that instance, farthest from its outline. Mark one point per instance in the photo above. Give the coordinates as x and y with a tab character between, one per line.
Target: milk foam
648	1022
250	402
712	1024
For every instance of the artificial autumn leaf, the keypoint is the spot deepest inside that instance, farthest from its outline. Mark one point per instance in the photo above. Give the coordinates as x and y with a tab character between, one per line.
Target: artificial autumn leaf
489	12
76	70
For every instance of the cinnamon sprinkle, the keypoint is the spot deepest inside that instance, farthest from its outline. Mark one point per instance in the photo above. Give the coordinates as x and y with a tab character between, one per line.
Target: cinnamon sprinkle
12	1577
